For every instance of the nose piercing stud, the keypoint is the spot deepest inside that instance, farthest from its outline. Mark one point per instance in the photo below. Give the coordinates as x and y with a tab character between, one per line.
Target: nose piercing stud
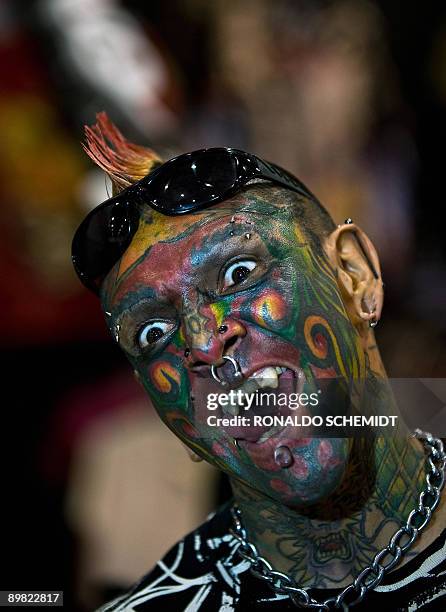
235	365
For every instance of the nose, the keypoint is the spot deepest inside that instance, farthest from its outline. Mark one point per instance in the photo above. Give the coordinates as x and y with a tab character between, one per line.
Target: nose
208	345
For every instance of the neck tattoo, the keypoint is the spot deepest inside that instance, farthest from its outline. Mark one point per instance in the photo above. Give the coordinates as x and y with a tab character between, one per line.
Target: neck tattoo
385	560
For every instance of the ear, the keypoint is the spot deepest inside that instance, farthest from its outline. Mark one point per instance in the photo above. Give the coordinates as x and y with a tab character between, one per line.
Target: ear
358	273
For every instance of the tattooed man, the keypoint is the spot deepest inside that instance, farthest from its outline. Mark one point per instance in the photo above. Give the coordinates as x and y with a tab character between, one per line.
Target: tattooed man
220	272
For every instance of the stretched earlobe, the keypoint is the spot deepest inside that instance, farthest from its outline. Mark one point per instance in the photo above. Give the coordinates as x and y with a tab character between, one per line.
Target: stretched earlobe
356	264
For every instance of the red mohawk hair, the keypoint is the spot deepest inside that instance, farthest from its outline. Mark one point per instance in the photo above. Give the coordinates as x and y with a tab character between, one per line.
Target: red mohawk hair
124	162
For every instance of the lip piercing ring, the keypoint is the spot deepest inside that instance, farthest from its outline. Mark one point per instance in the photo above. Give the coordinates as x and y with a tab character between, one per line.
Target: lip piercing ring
237	370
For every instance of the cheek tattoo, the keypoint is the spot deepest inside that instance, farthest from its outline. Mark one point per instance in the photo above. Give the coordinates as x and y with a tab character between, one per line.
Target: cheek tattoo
248	317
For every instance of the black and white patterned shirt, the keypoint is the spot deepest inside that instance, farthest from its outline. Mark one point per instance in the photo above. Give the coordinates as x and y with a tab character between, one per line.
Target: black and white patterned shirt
204	573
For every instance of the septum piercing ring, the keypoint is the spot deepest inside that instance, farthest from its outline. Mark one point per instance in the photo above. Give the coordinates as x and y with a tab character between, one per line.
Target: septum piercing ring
238	372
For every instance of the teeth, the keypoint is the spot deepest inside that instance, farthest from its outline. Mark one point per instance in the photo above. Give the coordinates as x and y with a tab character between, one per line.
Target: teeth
267	377
250	385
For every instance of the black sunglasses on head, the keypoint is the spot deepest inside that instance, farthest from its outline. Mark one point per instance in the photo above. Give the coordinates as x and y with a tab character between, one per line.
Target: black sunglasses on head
182	185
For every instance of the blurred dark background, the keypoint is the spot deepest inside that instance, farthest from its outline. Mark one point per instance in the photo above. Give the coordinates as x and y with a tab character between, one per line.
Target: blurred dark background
349	95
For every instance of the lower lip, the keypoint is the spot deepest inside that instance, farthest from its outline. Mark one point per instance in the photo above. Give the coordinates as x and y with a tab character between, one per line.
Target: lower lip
248	436
286	436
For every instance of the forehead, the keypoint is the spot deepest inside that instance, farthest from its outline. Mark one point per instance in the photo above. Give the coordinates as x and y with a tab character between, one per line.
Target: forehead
178	235
167	250
161	228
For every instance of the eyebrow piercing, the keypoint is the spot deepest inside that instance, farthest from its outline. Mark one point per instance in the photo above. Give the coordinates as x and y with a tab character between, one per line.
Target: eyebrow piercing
117	329
232	221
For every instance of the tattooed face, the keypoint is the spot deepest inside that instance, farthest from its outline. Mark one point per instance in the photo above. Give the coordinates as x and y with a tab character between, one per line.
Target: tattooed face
247	278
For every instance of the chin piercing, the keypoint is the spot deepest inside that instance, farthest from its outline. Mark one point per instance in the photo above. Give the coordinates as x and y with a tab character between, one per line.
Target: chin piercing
283	457
348	221
222	329
237	371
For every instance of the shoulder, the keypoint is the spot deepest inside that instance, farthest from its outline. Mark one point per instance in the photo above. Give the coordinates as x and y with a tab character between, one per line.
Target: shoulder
421	582
200	570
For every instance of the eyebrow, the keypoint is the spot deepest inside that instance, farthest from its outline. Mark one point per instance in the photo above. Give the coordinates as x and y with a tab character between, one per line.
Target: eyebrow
146	294
268	210
144	297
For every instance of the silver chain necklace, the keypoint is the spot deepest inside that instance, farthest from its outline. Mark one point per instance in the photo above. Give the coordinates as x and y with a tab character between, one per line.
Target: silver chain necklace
371	576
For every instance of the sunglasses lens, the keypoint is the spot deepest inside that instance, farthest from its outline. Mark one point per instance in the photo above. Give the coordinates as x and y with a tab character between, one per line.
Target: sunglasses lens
102	239
193	180
186	183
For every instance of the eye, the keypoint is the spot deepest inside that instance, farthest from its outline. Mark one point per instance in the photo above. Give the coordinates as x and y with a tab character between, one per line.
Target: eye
152	332
238	272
